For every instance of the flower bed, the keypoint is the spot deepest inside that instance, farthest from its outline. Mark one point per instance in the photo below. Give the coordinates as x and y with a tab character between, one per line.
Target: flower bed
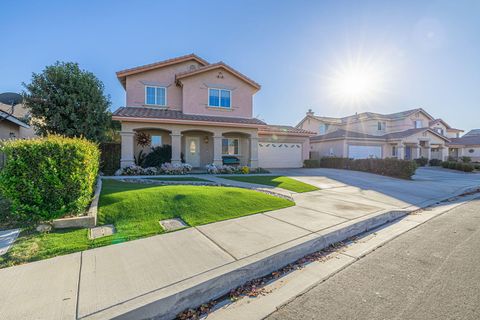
224	169
166	168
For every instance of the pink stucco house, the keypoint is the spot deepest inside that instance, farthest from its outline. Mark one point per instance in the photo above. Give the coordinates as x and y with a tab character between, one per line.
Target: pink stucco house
204	111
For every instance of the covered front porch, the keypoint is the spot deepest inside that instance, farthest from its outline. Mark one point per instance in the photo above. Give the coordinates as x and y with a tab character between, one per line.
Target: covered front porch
196	145
421	149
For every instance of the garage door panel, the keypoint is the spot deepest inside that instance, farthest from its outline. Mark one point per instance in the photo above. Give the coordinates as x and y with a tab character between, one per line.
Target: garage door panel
280	155
364	152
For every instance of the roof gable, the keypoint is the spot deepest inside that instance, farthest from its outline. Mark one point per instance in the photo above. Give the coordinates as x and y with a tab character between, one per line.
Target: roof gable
122	75
218	65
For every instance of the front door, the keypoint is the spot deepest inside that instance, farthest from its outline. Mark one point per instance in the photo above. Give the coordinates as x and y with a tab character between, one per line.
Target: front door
192	154
408	153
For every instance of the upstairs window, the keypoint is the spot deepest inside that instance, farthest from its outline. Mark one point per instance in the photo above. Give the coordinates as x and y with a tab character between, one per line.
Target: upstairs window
323	128
156	96
418	124
219	98
439	130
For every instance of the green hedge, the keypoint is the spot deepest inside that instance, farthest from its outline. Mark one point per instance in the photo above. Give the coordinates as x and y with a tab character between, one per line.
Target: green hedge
404	169
50	177
460	166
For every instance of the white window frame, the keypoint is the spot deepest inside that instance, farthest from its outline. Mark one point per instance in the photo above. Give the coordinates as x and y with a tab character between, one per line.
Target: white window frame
156	88
219	98
231	138
156	145
418	122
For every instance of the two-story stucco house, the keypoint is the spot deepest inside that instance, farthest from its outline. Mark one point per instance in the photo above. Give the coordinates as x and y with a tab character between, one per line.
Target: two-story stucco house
205	112
409	134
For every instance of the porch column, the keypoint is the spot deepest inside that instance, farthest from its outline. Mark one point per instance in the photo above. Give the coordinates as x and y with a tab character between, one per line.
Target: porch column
217	150
400	151
176	146
127	157
253	151
429	152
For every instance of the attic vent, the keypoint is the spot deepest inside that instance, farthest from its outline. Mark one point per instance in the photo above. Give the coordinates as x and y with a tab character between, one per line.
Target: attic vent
192	67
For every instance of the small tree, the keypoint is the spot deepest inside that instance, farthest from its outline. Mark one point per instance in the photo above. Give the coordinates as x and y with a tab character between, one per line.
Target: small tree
68	101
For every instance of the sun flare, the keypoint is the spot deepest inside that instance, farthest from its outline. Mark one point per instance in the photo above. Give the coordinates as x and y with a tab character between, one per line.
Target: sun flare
356	83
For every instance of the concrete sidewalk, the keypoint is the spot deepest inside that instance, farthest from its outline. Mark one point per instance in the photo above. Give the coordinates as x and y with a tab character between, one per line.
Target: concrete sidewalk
164	274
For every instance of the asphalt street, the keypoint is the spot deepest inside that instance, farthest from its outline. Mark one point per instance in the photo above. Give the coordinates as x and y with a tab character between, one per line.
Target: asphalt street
430	272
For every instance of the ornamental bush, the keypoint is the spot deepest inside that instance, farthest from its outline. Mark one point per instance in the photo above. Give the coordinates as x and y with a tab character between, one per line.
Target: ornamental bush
50	177
422	161
435	162
404	169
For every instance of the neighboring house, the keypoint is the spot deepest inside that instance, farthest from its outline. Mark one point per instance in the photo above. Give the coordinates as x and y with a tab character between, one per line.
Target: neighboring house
205	112
466	146
409	134
14	125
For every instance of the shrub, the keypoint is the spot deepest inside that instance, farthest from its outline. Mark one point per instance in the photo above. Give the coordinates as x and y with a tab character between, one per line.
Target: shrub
311	163
392	167
460	166
158	156
245	170
421	162
50	177
466	159
435	162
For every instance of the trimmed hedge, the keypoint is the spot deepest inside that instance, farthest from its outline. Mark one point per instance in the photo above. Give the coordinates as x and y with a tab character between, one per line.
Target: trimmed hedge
50	177
421	162
460	166
404	169
435	162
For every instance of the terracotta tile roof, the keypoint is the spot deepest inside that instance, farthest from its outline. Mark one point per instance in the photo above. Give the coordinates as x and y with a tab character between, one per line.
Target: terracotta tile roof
367	116
217	65
474	132
123	73
344	134
466	140
156	113
281	129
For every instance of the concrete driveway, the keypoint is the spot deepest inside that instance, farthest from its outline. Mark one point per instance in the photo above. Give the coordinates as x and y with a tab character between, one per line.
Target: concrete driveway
427	184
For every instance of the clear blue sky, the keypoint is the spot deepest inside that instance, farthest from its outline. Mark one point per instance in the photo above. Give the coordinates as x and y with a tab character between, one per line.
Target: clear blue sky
427	52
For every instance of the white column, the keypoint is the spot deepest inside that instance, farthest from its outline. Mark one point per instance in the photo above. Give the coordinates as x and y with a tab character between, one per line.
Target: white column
176	146
429	152
127	156
217	150
253	152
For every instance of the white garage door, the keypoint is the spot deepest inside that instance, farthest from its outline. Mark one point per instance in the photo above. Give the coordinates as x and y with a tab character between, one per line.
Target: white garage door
363	152
279	155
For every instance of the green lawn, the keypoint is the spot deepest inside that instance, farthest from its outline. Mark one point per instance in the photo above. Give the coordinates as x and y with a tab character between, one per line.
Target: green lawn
180	179
135	210
275	181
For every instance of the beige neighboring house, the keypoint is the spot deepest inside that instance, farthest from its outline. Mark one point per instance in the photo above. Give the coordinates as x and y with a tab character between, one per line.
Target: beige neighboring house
466	146
13	125
408	134
204	111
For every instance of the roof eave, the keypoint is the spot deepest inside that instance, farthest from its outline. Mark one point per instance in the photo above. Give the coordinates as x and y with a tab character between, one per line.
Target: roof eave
182	121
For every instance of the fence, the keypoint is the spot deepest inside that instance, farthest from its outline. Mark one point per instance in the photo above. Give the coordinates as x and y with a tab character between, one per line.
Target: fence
109	157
